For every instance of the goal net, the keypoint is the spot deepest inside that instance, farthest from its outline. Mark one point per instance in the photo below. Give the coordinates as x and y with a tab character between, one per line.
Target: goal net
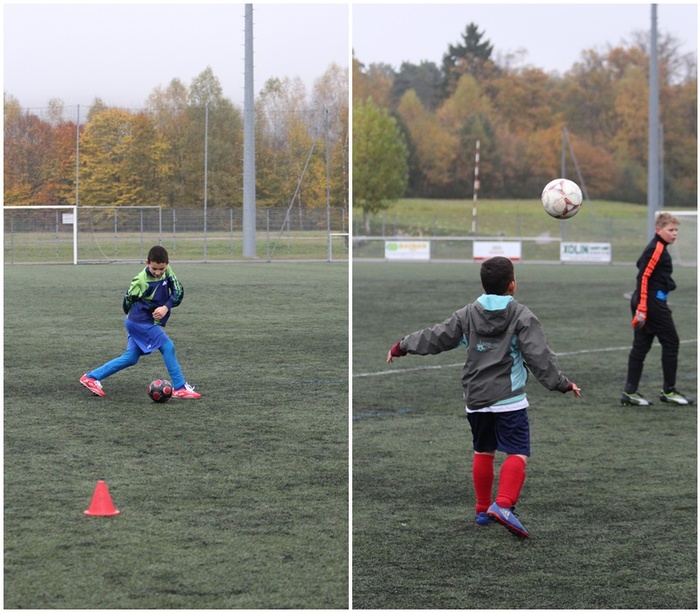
50	234
685	250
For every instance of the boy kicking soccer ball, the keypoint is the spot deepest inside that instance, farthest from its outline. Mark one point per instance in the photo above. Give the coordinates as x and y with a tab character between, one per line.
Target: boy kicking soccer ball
152	295
504	340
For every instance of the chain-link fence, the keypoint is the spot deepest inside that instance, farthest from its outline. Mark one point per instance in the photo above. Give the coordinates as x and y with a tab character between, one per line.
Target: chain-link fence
108	234
450	239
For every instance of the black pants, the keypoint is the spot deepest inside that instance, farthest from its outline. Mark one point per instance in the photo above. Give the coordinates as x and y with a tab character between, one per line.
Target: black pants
660	325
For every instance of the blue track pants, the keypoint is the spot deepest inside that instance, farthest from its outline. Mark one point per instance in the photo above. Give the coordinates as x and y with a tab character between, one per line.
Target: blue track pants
131	356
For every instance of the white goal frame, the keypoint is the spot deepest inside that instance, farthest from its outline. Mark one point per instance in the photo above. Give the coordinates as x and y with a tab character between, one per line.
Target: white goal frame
73	210
685	243
64	207
330	243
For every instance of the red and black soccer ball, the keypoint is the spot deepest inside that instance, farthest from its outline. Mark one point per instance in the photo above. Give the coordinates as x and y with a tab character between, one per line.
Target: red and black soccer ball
160	390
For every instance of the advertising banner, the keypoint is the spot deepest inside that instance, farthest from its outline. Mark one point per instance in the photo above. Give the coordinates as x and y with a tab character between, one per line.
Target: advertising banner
586	252
483	250
407	250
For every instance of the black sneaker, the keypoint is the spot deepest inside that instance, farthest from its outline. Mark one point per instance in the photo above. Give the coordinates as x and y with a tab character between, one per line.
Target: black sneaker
675	397
634	400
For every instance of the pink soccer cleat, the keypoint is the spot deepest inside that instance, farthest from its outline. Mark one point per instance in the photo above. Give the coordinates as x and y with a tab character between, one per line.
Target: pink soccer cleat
186	392
93	385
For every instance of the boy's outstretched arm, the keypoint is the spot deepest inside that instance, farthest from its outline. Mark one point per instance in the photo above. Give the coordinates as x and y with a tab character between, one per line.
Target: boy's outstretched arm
395	352
433	340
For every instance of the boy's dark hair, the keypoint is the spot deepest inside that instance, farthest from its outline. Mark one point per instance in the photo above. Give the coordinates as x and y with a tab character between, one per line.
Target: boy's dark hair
158	254
496	275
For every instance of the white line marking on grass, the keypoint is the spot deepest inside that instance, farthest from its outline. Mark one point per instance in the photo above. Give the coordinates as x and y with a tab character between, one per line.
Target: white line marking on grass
403	371
359	416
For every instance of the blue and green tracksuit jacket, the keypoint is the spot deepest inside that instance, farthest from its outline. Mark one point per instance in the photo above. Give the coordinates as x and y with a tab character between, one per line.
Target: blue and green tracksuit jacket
146	293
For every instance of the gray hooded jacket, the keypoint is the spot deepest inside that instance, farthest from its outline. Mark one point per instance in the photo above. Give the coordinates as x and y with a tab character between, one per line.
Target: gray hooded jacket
504	340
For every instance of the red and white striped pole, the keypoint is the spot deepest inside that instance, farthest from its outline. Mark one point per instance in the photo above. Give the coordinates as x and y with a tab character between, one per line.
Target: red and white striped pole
476	185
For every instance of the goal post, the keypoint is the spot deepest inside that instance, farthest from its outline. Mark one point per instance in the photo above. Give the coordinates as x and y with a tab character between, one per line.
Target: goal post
40	234
685	250
118	233
343	243
69	234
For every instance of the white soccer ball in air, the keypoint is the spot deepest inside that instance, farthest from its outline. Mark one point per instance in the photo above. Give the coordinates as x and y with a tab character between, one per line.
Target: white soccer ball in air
562	198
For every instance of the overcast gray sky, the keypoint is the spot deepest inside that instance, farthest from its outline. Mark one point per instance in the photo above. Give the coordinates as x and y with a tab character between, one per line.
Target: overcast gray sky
553	35
121	52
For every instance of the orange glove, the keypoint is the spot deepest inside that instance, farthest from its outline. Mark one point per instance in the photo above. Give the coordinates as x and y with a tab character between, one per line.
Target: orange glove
639	319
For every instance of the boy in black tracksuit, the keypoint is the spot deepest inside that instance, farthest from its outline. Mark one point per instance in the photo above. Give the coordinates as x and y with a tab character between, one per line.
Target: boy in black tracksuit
652	317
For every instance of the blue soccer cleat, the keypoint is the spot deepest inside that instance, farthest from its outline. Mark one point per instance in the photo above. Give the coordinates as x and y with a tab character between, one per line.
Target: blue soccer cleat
506	517
482	519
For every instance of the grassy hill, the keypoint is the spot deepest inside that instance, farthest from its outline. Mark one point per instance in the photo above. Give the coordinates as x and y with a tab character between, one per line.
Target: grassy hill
621	224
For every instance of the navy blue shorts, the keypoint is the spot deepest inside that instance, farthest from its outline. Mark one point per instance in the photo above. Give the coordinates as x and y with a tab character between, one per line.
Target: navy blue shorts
507	432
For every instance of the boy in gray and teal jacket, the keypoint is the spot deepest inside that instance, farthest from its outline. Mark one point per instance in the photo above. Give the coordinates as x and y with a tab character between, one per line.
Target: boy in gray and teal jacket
504	340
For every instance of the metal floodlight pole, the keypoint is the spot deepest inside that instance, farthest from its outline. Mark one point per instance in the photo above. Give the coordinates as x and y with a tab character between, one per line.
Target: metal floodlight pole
577	167
206	164
249	213
328	190
77	186
653	162
563	153
661	167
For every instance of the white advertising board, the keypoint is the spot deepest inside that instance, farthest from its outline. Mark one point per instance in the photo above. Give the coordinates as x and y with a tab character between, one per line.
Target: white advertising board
586	252
483	250
407	250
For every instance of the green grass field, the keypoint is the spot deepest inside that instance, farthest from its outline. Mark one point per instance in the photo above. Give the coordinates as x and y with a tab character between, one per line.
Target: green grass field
610	499
238	500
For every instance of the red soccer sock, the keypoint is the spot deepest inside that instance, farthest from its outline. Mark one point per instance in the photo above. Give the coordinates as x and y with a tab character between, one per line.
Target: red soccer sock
510	481
482	473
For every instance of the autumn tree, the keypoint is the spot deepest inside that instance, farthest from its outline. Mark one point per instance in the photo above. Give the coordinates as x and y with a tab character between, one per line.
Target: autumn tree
380	170
35	155
117	160
209	110
59	183
374	81
469	116
286	139
520	114
168	110
330	97
425	79
434	145
17	181
526	100
680	142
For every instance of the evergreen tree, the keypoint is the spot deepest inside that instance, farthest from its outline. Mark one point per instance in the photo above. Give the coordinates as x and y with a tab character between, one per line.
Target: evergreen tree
471	56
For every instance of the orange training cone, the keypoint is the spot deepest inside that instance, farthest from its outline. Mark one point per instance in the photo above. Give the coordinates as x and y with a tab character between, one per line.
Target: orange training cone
101	504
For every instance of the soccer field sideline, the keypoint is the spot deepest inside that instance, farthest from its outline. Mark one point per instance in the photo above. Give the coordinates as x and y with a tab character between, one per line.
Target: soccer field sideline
439	366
